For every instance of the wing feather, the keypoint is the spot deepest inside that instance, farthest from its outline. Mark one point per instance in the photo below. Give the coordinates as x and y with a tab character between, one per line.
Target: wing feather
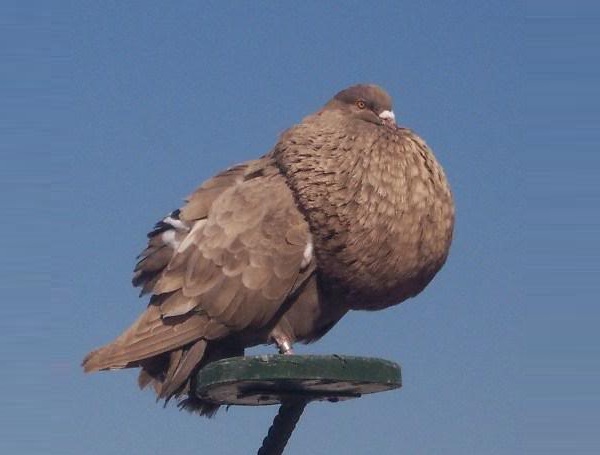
234	258
248	243
149	336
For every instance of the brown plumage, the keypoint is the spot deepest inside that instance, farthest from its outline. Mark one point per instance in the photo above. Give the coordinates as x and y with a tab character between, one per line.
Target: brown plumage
347	212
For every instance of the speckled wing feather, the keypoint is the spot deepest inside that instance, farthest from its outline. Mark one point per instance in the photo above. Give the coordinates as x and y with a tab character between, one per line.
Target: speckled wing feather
171	230
240	263
237	255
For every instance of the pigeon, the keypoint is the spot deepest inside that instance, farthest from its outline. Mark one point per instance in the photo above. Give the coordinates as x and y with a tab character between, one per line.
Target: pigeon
348	211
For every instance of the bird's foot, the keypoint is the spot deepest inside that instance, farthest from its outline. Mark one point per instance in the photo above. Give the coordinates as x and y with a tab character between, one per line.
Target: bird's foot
284	346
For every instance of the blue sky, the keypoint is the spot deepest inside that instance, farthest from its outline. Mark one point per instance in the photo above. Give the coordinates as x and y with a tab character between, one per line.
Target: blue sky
117	111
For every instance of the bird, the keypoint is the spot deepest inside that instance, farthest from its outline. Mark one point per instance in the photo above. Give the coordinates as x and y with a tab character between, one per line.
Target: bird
348	211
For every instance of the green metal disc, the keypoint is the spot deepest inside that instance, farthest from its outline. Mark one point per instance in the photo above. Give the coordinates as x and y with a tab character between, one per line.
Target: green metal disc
271	379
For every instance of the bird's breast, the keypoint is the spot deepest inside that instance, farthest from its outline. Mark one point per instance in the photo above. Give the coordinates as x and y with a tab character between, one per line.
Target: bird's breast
380	212
381	248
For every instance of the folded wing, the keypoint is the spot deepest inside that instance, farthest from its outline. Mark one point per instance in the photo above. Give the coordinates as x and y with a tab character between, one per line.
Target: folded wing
224	264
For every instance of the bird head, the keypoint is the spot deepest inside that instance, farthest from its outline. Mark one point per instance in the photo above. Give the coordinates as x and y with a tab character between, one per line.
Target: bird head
366	102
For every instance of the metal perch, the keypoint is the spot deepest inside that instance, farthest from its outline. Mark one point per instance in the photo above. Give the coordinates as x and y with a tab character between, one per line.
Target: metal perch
292	381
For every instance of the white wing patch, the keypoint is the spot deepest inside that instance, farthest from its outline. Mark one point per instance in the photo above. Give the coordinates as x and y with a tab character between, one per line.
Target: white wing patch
169	238
172	229
177	224
307	256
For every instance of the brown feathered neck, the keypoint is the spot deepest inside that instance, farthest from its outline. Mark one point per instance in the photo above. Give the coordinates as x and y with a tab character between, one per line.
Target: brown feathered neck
337	153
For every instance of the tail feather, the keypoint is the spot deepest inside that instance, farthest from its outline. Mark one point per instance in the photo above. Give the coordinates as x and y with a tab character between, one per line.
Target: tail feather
180	372
169	370
214	351
199	406
173	375
152	372
149	336
169	352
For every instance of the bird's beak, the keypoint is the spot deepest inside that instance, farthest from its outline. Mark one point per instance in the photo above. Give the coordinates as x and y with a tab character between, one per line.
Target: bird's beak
388	118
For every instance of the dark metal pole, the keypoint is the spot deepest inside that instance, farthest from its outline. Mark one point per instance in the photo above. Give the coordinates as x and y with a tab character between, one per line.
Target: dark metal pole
283	425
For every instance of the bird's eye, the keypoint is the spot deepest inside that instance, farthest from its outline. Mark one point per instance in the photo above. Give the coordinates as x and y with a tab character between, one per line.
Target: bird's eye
361	104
